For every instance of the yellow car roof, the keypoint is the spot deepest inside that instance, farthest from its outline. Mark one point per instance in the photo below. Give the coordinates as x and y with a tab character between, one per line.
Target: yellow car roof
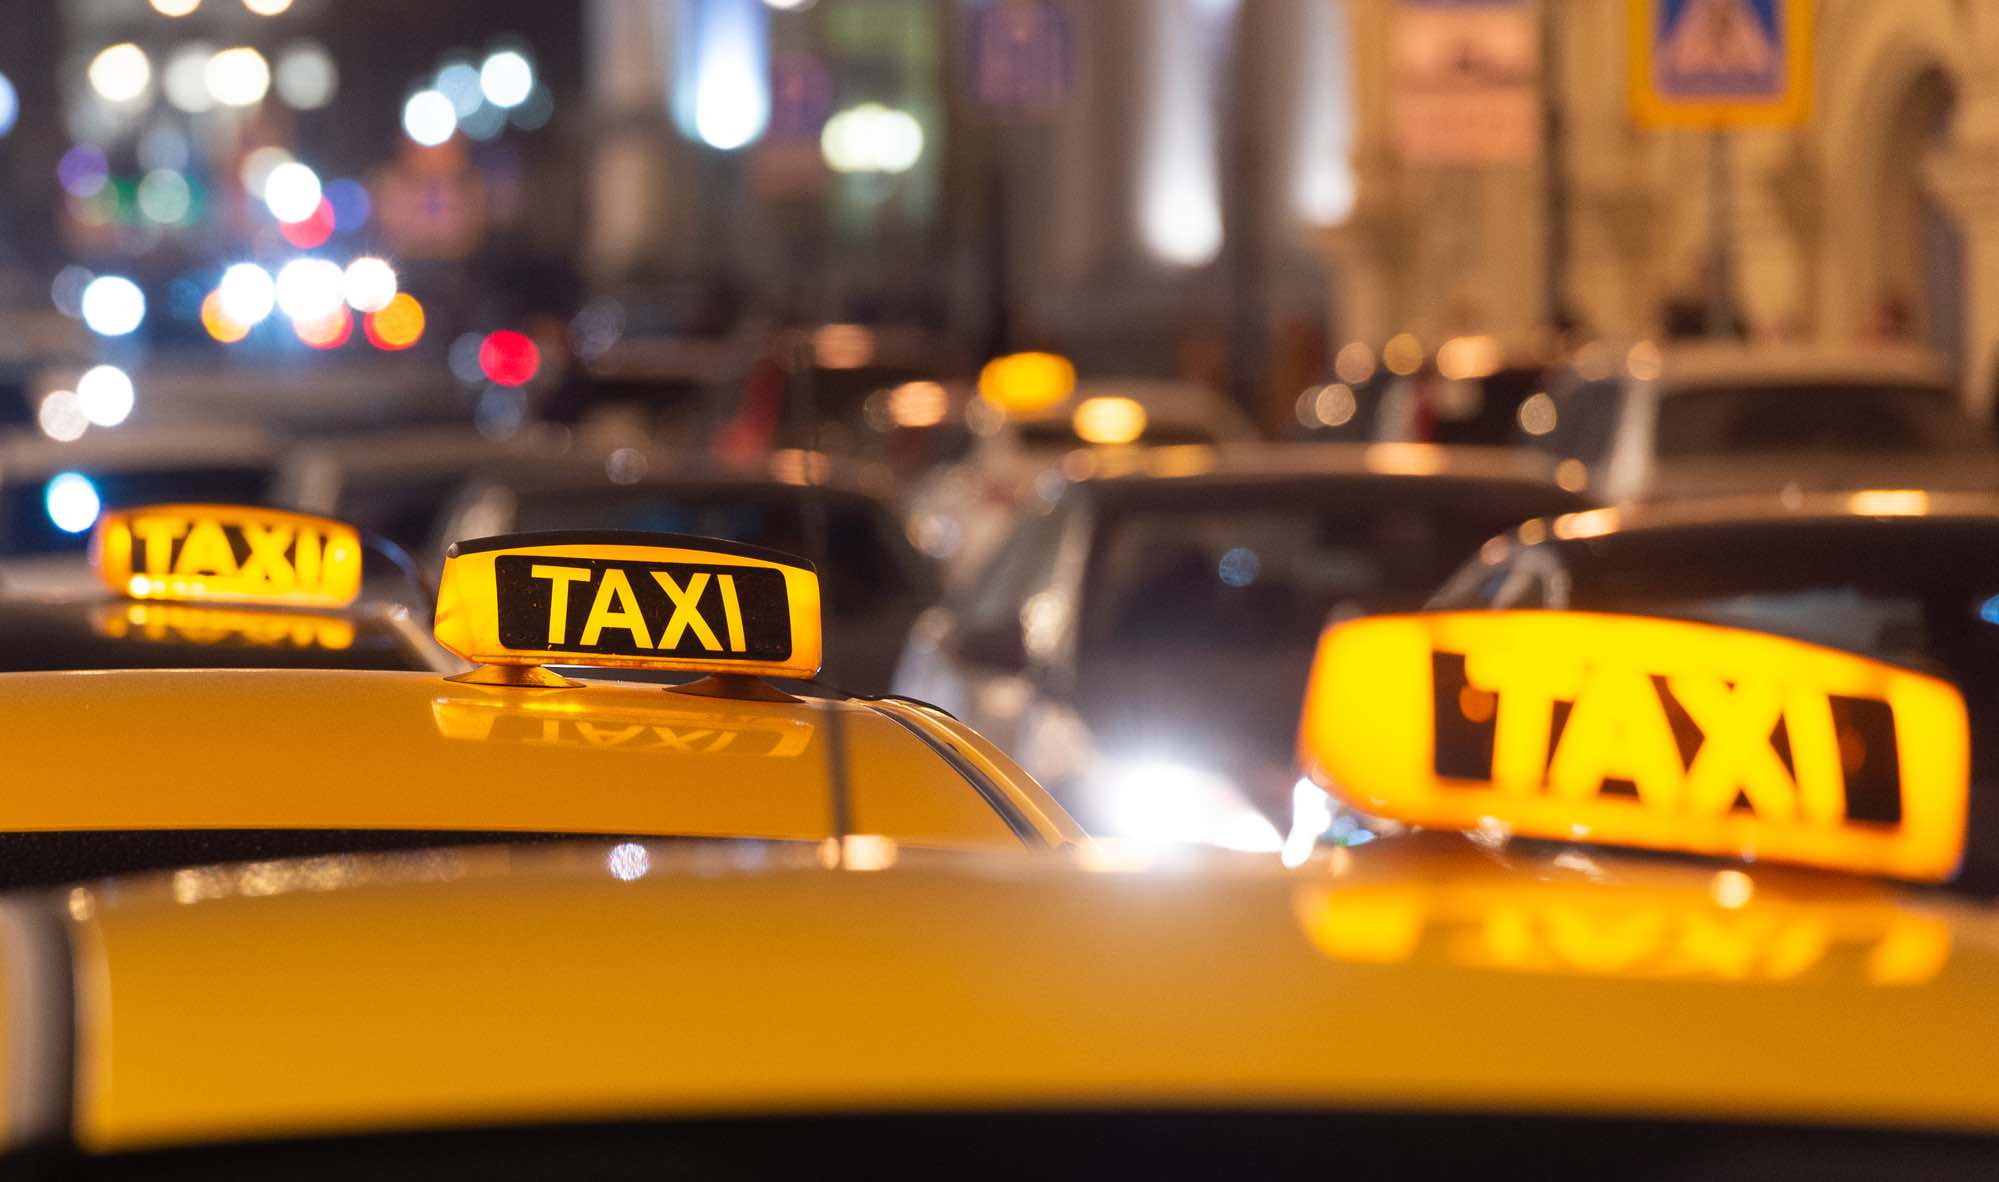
283	749
1416	974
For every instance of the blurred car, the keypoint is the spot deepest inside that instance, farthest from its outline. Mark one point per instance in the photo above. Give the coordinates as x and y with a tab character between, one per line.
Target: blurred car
222	586
1468	392
1147	637
52	493
798	502
1703	419
961	511
399	483
265	763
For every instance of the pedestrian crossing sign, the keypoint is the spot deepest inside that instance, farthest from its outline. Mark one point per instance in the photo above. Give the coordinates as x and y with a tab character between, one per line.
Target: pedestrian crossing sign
1720	63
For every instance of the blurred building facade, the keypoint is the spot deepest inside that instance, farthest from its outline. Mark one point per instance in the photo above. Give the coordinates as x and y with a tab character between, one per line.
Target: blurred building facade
1876	219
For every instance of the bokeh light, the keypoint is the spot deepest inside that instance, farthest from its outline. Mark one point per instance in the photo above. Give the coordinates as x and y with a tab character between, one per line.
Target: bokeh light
257	167
509	358
429	118
309	289
506	78
292	192
871	138
267	7
164	197
313	231
349	199
369	284
184	79
113	305
459	82
246	295
327	332
10	105
60	416
72	502
120	73
105	395
306	77
397	326
82	171
238	77
218	324
66	290
175	7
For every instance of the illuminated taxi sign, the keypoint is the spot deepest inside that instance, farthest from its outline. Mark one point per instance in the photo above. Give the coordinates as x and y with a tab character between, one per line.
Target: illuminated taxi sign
630	600
227	554
179	624
1652	733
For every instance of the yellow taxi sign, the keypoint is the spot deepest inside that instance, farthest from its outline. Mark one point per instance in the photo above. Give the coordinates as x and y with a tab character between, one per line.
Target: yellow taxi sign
630	600
227	554
1027	383
1628	730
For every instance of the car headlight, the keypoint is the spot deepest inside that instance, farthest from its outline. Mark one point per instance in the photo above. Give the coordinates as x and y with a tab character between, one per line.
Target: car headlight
1161	802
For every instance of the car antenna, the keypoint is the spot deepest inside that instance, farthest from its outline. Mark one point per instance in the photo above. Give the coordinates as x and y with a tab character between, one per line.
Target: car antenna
799	361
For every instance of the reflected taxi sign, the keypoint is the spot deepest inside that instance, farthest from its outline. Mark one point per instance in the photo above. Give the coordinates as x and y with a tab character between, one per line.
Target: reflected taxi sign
227	554
1627	730
630	600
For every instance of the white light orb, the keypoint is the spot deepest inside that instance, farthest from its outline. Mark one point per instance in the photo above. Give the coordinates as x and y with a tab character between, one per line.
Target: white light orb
292	192
61	418
246	294
105	395
306	77
238	77
506	79
120	73
185	77
369	284
113	305
72	502
309	290
429	118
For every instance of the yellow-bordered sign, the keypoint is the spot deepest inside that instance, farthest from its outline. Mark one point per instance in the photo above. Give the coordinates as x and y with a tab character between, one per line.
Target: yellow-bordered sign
630	600
1627	730
227	554
1720	63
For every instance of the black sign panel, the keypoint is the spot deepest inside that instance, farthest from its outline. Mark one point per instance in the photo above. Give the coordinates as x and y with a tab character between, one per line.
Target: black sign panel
669	609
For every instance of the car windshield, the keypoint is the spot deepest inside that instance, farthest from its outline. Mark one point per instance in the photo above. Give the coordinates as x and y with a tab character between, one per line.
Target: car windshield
1916	592
38	637
42	516
1726	419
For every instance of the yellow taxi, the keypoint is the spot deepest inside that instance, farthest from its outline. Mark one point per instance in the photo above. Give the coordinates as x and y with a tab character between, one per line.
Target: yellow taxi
218	586
1603	924
166	767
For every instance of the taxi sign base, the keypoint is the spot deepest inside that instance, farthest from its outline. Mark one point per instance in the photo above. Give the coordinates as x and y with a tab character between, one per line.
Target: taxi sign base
519	676
739	686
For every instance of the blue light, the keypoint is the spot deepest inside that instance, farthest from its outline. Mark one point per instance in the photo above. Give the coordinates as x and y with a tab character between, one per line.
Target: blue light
1989	610
1240	567
72	502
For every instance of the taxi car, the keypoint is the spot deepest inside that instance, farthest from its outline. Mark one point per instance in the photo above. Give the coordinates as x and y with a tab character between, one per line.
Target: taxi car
1147	637
1578	953
221	586
51	493
266	762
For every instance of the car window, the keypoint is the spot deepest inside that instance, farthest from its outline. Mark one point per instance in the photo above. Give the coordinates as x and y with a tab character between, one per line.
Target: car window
1819	416
1578	423
1022	566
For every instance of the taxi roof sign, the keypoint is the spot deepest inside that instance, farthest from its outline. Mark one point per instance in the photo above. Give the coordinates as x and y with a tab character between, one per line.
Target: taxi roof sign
630	600
196	553
1654	733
